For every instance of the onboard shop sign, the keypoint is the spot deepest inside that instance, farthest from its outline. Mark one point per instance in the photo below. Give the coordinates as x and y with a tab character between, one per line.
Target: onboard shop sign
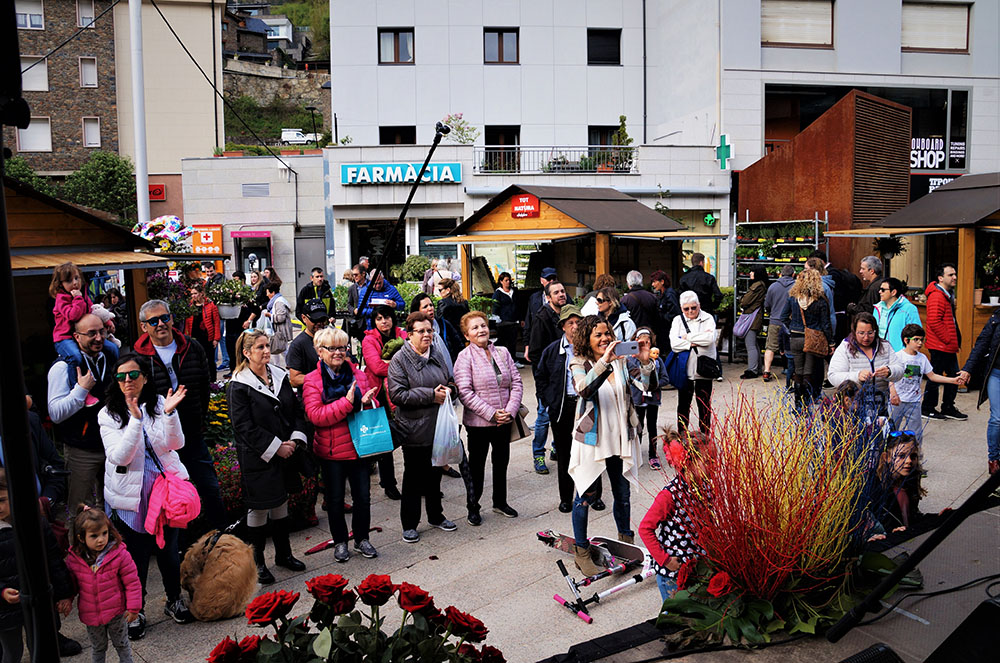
399	173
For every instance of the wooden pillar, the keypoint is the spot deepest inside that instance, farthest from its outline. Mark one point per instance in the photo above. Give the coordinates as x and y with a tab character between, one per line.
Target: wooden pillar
463	250
964	302
136	295
602	253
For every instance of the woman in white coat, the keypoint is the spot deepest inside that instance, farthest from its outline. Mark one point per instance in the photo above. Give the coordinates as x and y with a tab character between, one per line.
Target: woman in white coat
142	432
694	330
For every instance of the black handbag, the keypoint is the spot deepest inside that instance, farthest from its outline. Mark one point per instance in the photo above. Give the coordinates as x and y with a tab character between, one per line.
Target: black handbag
706	367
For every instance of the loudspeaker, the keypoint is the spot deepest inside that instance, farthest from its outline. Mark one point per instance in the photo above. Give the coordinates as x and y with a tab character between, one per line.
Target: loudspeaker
880	653
974	640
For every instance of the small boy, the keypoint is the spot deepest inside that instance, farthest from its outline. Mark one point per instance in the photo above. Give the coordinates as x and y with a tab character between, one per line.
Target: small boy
905	395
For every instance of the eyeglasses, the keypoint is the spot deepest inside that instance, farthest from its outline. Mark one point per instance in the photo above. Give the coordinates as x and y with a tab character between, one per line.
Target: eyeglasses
600	300
689	308
342	349
93	333
422	331
131	375
320	321
157	319
883	289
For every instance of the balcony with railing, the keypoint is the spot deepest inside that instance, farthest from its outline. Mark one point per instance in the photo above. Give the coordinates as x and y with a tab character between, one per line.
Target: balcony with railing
560	160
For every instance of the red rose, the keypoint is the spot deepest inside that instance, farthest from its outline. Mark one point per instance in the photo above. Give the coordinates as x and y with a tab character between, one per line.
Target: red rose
268	608
684	573
344	603
226	651
491	655
248	648
414	599
375	590
465	625
720	584
470	652
328	588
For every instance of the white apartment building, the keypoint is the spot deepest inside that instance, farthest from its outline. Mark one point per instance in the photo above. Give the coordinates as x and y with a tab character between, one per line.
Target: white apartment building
545	83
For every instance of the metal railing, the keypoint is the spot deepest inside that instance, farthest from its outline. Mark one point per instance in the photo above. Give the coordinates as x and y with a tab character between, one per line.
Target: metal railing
560	160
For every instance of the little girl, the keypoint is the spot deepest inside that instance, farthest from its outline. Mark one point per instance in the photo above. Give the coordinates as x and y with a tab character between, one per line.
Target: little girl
110	591
667	530
899	471
72	303
646	389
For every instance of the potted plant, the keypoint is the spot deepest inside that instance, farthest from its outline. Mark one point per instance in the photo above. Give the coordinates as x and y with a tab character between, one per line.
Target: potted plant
622	155
888	248
230	296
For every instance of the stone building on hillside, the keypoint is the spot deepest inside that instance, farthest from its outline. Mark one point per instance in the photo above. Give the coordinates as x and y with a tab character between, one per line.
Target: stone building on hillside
244	38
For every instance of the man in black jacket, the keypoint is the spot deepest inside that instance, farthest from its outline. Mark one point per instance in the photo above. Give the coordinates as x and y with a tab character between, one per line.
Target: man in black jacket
317	288
554	390
545	330
702	283
535	303
871	274
641	303
667	308
176	360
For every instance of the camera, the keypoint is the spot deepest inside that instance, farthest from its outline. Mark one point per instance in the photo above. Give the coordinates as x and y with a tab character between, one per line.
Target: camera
442	128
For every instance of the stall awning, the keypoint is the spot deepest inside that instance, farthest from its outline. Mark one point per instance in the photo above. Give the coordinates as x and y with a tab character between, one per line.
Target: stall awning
681	235
965	201
39	264
881	231
541	237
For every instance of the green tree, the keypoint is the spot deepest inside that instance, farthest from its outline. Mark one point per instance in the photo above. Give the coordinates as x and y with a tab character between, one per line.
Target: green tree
313	14
106	182
16	168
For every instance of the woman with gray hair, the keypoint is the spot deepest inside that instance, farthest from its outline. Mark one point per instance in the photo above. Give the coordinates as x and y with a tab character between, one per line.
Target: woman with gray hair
694	330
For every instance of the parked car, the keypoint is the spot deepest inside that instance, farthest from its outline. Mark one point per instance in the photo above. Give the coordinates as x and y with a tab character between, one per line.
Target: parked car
293	137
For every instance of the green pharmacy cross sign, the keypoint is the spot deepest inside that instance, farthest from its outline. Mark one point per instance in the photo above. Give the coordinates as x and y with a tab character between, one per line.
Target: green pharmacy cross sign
724	152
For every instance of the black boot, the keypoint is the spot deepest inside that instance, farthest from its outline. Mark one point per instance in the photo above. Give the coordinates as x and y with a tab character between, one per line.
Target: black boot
258	539
283	547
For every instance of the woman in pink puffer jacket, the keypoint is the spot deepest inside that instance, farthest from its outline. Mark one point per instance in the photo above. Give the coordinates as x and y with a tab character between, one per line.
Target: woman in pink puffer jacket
490	388
333	391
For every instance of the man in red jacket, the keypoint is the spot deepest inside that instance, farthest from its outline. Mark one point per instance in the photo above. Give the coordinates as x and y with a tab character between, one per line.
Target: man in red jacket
943	342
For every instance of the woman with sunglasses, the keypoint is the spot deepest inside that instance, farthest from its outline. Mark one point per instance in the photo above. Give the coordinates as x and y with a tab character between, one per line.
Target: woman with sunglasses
336	389
865	358
618	317
141	432
694	330
269	427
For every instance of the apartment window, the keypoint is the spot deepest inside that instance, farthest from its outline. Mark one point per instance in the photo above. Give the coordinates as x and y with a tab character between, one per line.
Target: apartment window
85	13
36	138
796	23
34	74
88	72
601	134
604	46
397	135
502	153
395	46
500	46
28	14
91	132
935	28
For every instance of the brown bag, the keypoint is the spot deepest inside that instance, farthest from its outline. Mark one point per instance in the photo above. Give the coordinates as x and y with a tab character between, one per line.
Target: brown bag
815	340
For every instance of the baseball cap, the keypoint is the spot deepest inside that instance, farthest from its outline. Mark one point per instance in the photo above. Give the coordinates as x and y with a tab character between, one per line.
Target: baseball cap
549	273
315	309
567	311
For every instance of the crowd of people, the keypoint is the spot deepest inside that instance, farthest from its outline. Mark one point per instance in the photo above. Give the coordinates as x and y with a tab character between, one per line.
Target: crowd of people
129	414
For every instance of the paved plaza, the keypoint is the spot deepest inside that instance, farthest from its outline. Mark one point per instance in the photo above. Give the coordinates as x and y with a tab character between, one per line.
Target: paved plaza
503	575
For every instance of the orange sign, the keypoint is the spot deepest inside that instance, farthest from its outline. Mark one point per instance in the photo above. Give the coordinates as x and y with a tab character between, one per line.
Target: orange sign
157	192
207	240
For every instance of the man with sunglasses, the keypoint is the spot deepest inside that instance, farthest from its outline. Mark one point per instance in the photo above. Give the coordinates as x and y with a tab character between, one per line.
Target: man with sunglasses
74	411
301	357
176	360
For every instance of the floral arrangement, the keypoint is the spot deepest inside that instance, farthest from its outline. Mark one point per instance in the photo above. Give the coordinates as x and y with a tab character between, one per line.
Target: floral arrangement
175	293
462	132
231	292
333	630
782	514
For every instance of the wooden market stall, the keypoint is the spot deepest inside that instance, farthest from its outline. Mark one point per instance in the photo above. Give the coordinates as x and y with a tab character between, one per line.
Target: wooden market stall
966	206
587	225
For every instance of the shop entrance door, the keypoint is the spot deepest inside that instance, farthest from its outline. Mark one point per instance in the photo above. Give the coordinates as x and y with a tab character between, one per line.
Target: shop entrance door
370	238
310	252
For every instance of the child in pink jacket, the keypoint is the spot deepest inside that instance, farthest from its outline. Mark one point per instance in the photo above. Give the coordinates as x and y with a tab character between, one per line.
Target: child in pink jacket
71	304
110	591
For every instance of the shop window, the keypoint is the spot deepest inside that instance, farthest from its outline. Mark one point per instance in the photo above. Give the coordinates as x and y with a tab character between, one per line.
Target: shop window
91	132
604	47
395	46
959	111
37	137
796	23
257	190
397	135
500	46
34	74
85	13
29	15
88	72
501	154
935	27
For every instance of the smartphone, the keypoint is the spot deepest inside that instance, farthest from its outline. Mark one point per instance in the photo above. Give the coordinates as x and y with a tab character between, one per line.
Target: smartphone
626	348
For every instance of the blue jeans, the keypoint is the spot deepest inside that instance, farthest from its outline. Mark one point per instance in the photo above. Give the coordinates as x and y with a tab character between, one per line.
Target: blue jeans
541	431
906	416
68	349
622	510
336	473
668	586
993	427
222	346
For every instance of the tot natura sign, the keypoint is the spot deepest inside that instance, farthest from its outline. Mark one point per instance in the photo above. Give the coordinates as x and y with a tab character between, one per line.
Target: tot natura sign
399	173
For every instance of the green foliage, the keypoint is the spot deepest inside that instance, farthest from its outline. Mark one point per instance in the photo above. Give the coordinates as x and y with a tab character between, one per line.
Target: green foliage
408	291
314	14
414	268
266	121
16	168
106	182
230	291
462	132
622	154
727	299
340	297
481	303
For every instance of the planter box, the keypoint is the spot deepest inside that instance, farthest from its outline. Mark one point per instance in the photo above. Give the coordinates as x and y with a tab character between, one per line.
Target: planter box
236	153
229	311
291	152
319	151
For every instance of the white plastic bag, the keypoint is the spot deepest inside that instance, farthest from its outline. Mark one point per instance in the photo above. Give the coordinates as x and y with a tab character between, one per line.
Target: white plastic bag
447	444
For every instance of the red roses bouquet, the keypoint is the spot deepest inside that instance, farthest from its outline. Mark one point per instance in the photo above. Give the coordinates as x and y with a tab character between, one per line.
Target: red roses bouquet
334	631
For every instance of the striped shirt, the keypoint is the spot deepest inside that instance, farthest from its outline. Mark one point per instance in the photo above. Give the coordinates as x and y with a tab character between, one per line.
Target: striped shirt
136	520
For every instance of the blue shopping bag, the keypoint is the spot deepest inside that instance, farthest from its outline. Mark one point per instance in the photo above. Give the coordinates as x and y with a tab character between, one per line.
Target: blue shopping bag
676	365
370	431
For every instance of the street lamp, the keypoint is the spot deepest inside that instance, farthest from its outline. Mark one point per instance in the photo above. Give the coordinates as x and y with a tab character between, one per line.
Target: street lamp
312	111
